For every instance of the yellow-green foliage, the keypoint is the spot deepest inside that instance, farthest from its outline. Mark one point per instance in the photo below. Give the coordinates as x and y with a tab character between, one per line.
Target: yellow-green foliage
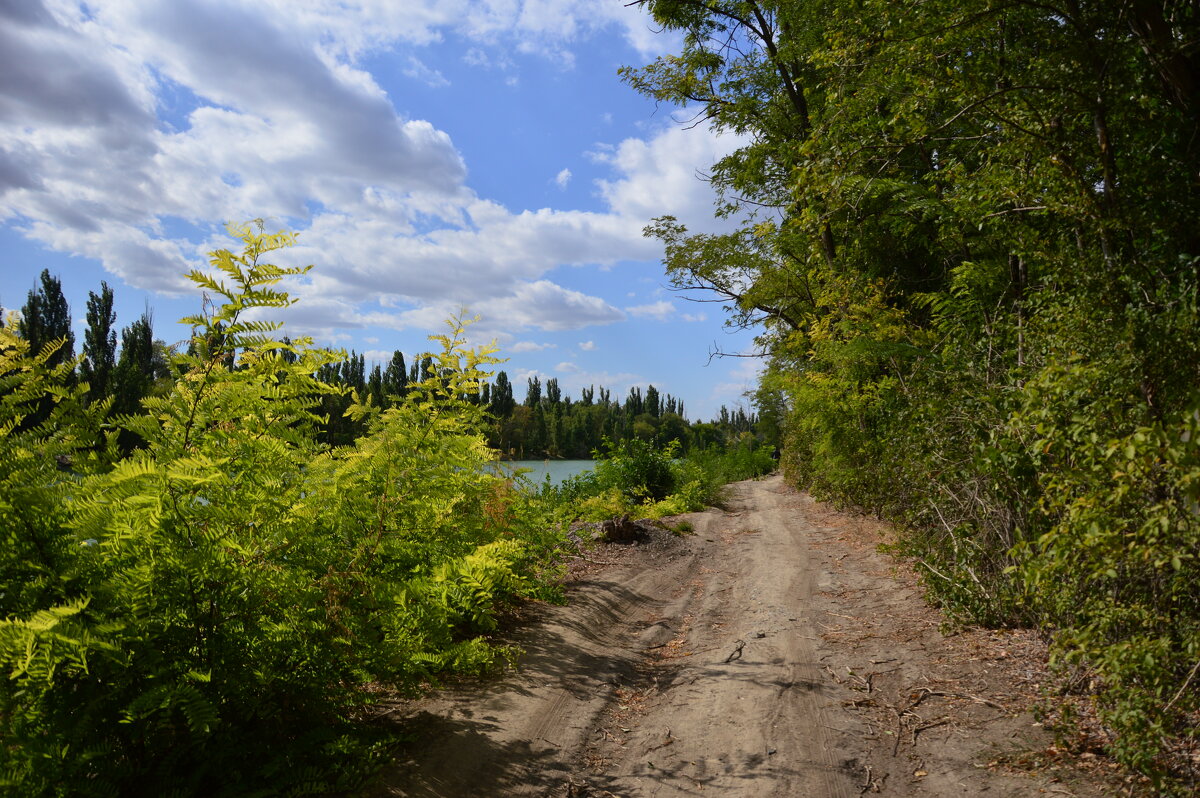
609	503
689	498
636	479
205	617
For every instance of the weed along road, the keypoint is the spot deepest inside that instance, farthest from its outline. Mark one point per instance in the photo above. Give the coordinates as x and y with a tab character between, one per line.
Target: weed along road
771	652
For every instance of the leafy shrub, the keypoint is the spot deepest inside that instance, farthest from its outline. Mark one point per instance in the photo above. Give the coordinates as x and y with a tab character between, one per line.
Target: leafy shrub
609	503
634	477
205	617
637	468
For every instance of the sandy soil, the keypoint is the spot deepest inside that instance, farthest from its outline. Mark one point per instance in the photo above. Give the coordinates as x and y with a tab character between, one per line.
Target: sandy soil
774	652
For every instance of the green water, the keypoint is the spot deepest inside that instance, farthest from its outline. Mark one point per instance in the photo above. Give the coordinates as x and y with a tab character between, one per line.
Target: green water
558	470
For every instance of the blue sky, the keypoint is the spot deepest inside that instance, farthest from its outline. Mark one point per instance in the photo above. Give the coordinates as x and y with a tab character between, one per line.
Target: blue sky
432	154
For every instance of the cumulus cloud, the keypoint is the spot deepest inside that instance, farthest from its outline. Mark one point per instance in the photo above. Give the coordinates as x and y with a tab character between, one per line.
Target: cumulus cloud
659	174
587	346
277	119
547	306
540	304
529	346
659	311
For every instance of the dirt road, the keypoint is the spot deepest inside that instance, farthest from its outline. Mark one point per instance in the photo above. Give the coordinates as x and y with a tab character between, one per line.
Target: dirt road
771	653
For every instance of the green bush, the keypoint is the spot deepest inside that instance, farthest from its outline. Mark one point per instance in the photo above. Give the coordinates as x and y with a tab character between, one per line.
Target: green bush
210	615
636	478
641	471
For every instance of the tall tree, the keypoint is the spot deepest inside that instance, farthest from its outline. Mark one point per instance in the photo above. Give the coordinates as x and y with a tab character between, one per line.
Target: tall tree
634	403
533	392
99	344
46	317
136	368
553	393
652	404
395	378
375	386
502	396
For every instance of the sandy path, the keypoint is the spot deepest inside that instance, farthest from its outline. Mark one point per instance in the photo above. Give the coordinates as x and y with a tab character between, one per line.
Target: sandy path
768	654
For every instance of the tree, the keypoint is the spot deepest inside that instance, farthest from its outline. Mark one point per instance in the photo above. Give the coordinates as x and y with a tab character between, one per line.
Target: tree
553	394
634	403
99	344
136	370
533	392
976	288
395	378
375	386
45	318
652	403
502	397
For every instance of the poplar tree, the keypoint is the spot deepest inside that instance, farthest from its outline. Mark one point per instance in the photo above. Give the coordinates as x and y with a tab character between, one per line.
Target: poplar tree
99	344
46	317
651	404
136	368
375	386
395	377
533	392
502	401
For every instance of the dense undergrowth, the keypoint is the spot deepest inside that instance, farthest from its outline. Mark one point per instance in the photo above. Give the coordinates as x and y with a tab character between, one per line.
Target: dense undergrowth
634	477
212	614
978	285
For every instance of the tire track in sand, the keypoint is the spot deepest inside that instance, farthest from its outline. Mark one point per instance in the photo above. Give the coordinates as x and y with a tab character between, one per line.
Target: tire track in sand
740	707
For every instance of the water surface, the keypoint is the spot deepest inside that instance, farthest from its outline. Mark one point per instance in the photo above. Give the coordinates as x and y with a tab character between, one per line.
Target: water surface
557	470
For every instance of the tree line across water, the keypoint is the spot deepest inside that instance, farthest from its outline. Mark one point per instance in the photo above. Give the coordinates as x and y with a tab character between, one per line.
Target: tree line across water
545	424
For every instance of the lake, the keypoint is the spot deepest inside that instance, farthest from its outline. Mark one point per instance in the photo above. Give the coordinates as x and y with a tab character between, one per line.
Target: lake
558	470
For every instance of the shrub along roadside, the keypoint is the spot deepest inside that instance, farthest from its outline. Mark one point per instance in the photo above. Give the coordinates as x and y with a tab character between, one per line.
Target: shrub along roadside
636	478
205	616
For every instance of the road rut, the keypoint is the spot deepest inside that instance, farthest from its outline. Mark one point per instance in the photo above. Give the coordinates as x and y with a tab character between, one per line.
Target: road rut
761	655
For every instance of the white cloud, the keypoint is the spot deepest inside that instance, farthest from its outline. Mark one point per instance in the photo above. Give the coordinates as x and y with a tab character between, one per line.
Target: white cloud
520	378
538	26
659	175
567	367
659	311
587	346
280	121
539	304
529	346
618	383
417	70
694	316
